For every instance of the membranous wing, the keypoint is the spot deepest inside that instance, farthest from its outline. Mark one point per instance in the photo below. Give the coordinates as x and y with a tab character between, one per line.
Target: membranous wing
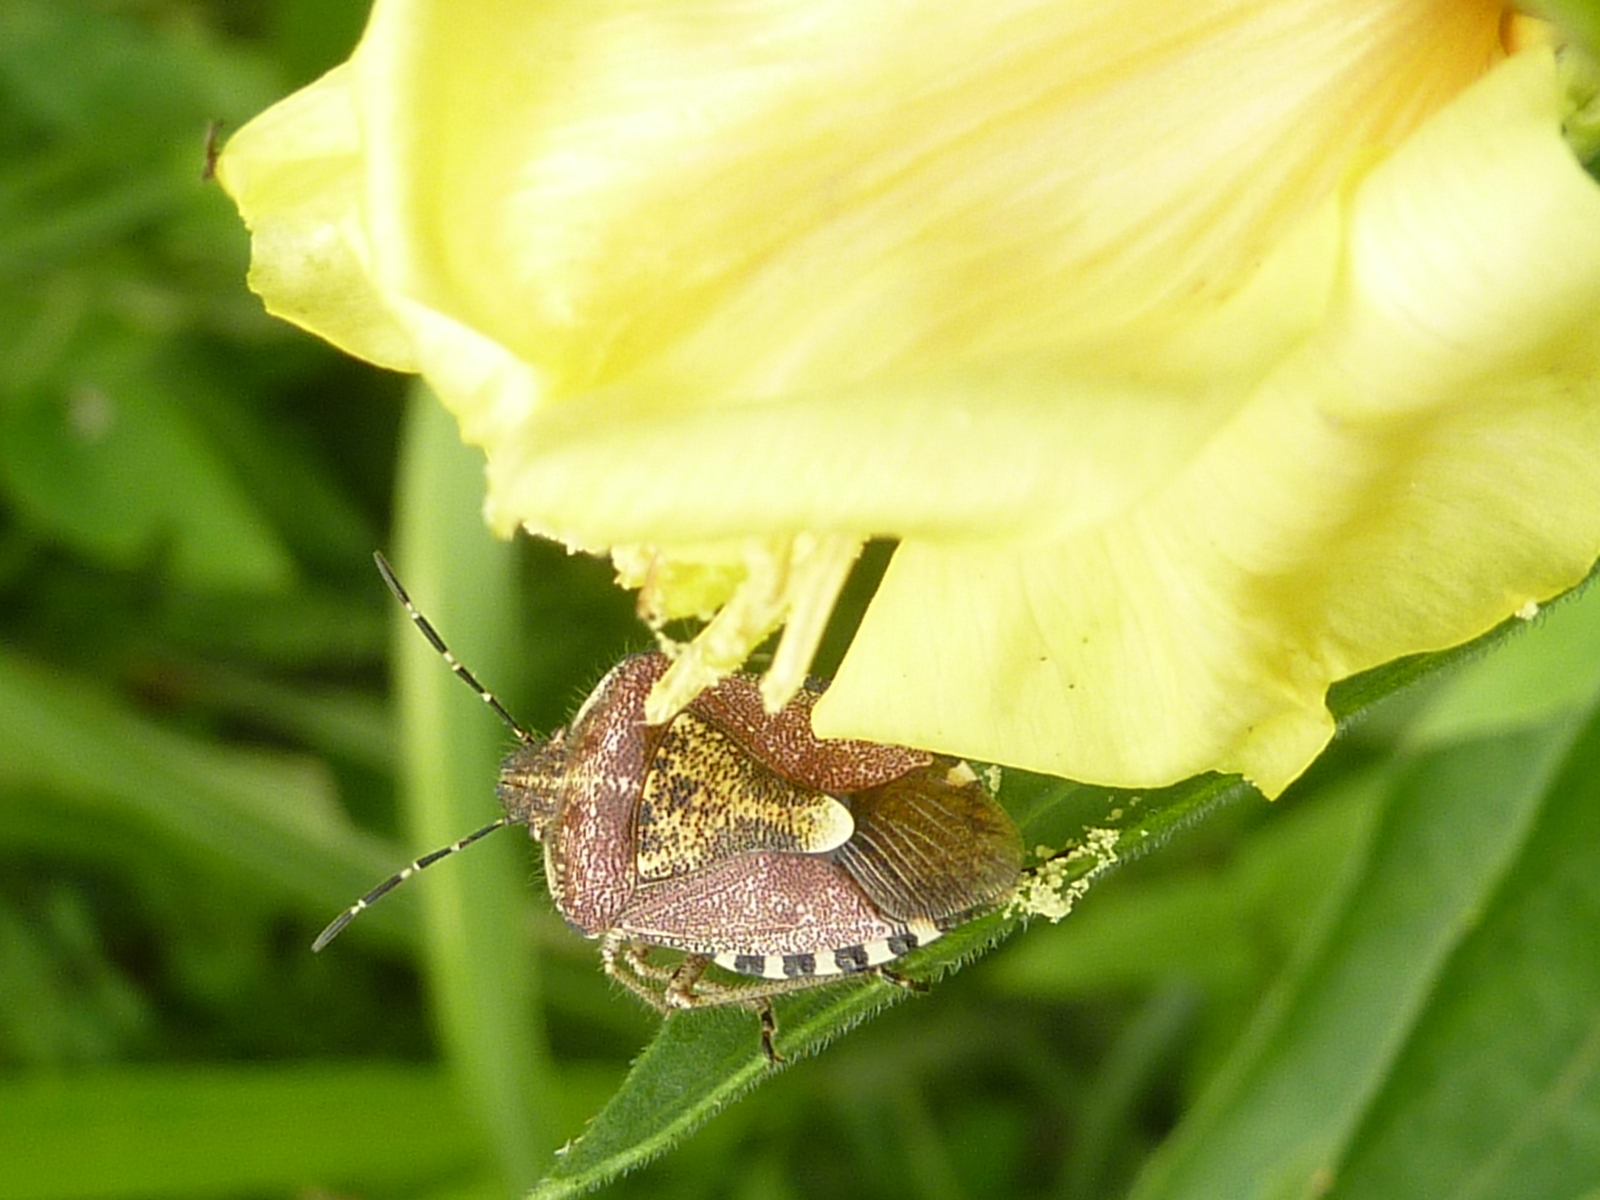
932	844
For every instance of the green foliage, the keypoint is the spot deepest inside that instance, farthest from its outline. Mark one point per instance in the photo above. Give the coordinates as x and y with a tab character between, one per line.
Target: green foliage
1382	985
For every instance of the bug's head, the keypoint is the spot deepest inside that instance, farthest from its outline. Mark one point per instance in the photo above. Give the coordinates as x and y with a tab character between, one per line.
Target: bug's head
531	782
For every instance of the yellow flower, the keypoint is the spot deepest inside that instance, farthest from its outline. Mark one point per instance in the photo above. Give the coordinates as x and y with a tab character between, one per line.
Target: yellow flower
1198	355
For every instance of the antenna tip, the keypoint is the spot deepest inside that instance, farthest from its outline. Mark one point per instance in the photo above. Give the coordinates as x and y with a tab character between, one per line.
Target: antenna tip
334	929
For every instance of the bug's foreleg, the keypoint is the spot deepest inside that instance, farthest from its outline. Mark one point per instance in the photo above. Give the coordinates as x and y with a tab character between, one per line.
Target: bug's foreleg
626	962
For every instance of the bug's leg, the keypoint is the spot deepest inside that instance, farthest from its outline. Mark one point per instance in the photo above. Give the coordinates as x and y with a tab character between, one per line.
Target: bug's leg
637	956
769	1030
622	962
899	980
686	989
680	990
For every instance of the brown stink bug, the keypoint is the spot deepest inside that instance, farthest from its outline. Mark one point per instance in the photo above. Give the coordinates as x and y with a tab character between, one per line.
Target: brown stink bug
738	838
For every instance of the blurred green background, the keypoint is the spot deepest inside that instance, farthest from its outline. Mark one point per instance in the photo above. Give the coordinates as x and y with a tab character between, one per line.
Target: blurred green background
200	764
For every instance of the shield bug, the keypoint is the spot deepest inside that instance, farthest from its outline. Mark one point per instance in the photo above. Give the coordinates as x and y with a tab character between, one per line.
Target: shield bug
770	859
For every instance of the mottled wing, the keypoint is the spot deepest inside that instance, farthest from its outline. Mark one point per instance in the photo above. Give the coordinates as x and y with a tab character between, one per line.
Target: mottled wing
932	844
705	799
784	740
762	904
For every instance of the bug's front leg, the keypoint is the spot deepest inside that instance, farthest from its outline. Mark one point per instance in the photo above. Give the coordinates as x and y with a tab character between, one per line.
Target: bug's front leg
899	980
681	986
627	962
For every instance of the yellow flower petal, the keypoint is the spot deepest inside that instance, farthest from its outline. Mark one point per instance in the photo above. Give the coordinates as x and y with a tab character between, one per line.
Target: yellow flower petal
966	454
1193	364
776	580
295	172
707	204
1414	474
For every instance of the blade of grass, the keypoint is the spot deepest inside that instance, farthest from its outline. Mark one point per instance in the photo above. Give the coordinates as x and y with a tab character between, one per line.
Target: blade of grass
336	721
480	961
256	816
176	1132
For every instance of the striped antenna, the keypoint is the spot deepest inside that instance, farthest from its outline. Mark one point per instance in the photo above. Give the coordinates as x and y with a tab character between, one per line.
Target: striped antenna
336	927
437	642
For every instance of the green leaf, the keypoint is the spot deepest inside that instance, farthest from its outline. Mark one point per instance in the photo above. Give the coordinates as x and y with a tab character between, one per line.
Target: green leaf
1211	923
1496	1093
703	1060
1578	19
107	459
1322	1054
